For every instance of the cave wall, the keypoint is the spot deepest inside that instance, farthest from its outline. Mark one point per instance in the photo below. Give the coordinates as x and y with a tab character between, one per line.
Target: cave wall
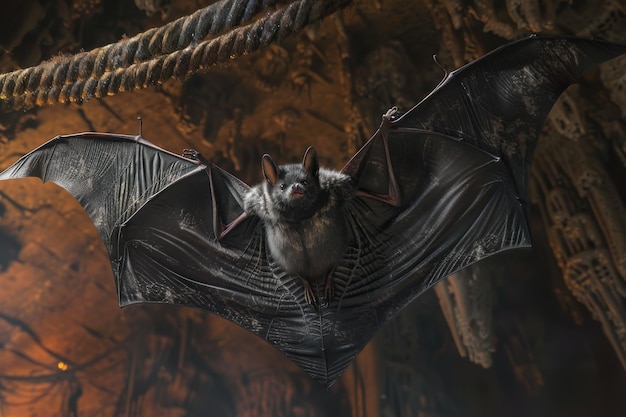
539	332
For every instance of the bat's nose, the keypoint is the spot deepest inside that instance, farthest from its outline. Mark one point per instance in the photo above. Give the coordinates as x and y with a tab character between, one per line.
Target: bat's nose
297	190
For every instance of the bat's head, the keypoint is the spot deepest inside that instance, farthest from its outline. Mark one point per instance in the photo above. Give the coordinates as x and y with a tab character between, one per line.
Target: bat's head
294	190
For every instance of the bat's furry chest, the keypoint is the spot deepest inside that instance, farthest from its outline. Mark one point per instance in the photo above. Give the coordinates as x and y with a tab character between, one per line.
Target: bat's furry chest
310	248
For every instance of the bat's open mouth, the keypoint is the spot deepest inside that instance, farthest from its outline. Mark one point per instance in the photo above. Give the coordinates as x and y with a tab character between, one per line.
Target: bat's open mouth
296	192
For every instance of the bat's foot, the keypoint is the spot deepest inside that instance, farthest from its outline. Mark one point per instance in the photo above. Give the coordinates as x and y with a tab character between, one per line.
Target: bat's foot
329	288
309	295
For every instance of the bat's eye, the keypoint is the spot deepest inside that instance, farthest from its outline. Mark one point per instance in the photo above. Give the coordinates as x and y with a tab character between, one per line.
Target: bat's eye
282	187
305	183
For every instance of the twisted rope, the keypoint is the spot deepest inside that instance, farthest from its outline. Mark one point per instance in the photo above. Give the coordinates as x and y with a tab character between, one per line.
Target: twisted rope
159	54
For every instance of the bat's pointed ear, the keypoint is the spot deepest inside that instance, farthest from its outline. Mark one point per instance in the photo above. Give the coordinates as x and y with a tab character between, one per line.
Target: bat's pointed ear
270	169
309	162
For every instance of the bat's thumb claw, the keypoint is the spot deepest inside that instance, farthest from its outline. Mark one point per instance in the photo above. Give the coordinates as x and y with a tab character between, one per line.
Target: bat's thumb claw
391	113
195	156
190	153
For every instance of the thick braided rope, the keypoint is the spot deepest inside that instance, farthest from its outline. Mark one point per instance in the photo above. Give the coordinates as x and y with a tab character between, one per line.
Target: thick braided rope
147	59
176	35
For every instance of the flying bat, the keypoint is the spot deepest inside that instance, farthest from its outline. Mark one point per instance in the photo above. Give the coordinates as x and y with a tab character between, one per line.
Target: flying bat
312	260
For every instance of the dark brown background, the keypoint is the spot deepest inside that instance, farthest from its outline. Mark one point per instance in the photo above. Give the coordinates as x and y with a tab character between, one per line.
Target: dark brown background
66	349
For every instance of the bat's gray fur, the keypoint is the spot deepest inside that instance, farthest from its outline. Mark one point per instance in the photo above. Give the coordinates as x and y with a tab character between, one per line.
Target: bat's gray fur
301	207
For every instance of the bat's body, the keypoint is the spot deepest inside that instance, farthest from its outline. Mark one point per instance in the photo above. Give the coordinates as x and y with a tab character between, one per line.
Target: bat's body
302	211
434	190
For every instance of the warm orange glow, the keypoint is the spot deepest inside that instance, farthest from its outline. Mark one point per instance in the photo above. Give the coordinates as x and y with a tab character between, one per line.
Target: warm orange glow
62	366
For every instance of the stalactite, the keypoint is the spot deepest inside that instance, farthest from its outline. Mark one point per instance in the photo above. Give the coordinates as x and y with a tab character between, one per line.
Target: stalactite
465	299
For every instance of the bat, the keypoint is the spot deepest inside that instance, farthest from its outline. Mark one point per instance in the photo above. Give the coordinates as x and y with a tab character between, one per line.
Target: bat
313	260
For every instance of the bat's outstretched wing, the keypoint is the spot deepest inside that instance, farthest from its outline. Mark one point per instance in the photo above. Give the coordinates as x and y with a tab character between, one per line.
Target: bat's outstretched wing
163	220
126	185
445	184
